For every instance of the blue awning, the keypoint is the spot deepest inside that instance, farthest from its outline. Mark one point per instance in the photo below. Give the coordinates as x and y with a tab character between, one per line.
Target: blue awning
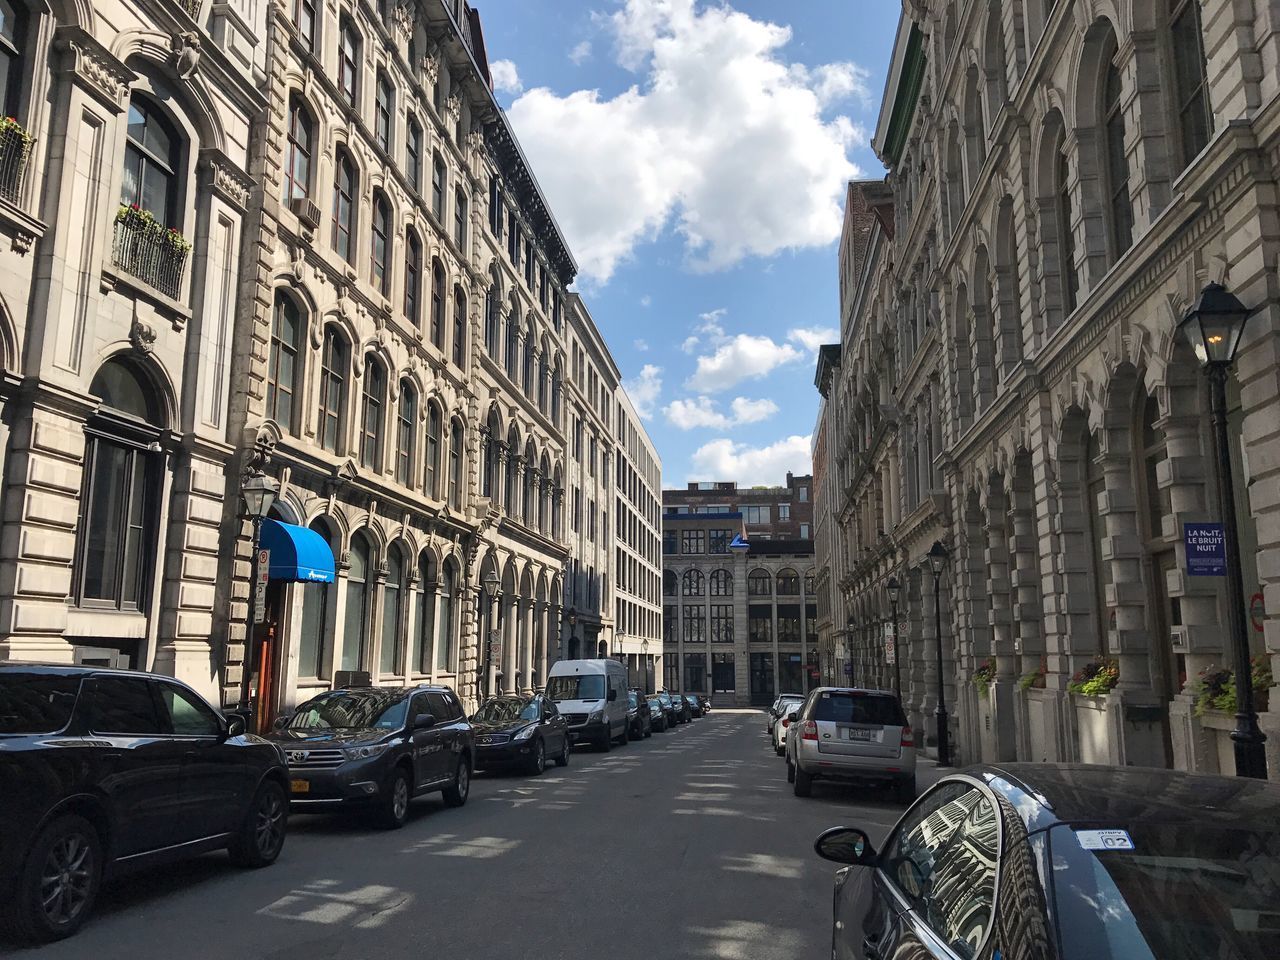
739	543
297	553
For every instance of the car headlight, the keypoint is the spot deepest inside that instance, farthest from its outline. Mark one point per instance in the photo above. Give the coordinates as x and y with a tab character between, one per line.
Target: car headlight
524	733
362	753
595	715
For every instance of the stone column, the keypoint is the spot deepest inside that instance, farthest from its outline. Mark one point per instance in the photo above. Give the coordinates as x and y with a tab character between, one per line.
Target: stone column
1000	693
528	654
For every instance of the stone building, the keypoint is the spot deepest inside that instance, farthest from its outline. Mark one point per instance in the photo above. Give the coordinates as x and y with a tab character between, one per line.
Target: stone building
771	513
1064	179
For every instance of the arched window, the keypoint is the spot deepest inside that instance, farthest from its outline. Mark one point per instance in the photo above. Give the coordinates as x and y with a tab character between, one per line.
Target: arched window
317	625
119	494
1094	486
437	186
383	105
670	583
334	360
433	449
455	466
513	345
529	342
788	583
489	475
759	583
544	500
444	619
379	275
301	143
393	593
692	584
557	501
344	193
459	326
1117	164
460	219
721	583
356	616
304	18
557	387
512	492
348	62
413	154
544	379
426	613
1066	239
809	590
152	155
413	279
530	465
282	364
1190	74
491	320
437	303
375	399
406	428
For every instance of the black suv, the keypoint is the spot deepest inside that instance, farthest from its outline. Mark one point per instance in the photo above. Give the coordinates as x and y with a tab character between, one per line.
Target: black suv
377	748
106	769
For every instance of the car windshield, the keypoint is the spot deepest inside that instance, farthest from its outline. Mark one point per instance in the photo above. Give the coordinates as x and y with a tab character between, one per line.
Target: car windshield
836	707
1173	892
655	704
36	703
633	701
507	710
664	699
581	687
352	710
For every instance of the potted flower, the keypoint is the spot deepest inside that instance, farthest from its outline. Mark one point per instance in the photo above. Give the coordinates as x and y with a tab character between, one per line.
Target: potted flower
1215	687
1095	678
983	676
1035	679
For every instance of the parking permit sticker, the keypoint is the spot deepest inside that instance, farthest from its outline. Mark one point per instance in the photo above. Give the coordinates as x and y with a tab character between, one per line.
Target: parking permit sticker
1105	839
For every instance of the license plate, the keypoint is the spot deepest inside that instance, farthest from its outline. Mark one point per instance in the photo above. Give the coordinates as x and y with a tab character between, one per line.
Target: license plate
861	735
300	786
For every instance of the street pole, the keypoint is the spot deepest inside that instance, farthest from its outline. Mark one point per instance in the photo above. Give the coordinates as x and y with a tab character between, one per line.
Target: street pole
937	557
1247	738
250	657
897	660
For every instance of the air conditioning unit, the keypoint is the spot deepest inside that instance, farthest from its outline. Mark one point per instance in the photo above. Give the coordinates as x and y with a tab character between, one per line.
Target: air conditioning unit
306	210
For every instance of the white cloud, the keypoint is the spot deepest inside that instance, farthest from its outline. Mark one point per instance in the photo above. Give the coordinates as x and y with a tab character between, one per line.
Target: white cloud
645	389
811	338
640	344
580	52
738	358
834	82
708	329
702	412
646	300
720	138
506	78
725	460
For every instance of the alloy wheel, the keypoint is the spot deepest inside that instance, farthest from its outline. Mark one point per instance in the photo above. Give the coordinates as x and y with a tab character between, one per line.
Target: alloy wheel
400	799
67	879
464	779
539	757
269	825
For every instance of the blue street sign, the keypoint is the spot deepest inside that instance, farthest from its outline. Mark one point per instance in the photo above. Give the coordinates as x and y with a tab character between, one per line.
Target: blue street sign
1206	549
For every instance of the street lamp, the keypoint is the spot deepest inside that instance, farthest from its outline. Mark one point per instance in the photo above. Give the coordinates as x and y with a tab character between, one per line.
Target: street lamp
1213	326
644	656
894	589
938	555
259	493
850	627
491	585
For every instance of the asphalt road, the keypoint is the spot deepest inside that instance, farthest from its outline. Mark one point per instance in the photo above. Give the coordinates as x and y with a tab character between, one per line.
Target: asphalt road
686	845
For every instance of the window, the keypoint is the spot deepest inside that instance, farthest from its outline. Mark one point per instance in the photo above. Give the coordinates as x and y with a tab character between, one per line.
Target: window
426	614
530	261
759	583
719	541
788	623
379	276
513	238
460	219
529	344
406	423
122	705
184	714
722	623
692	584
670	583
788	583
669	543
1117	163
375	397
382	106
695	624
804	531
433	449
344	192
808	584
437	186
693	541
1066	240
357	612
491	320
1191	87
455	466
444	621
495	207
282	366
395	587
437	303
304	18
760	623
413	279
119	495
1094	486
721	583
756	515
803	494
297	164
413	155
333	388
317	636
459	326
348	62
151	157
513	346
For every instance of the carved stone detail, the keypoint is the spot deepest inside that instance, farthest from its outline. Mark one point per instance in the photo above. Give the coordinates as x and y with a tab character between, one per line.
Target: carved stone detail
142	336
21	243
453	106
186	54
95	67
430	69
227	180
403	18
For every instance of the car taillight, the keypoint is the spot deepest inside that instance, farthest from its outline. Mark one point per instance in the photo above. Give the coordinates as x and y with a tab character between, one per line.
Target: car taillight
908	737
810	730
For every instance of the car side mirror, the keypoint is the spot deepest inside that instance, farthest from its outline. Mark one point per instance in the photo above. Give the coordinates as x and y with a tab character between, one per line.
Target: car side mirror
847	845
613	695
235	727
280	722
424	721
793	717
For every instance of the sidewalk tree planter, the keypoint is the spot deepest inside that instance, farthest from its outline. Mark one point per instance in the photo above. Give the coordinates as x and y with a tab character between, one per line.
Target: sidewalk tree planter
15	151
1216	689
983	676
152	252
1096	678
1035	680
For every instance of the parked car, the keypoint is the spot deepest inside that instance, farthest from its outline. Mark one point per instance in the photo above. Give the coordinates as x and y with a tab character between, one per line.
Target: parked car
695	705
639	719
668	708
141	770
851	734
782	705
592	695
1065	862
375	749
779	735
520	731
658	714
681	708
705	701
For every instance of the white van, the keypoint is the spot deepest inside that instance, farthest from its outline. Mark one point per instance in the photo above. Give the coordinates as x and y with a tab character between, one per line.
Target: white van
592	696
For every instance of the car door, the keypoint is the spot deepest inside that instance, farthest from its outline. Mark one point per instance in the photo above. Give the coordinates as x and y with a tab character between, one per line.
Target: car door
141	765
554	729
215	776
428	745
451	724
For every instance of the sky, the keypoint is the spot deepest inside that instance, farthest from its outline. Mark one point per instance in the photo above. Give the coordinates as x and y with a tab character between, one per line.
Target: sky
695	154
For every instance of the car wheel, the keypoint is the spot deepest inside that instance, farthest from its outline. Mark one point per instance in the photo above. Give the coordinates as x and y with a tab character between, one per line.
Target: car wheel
261	836
648	730
393	806
626	734
779	750
538	762
606	740
791	771
455	794
58	883
904	791
803	783
563	759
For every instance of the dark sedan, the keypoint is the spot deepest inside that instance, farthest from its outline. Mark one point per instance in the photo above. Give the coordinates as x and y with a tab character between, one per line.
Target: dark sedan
681	707
658	714
104	770
520	731
695	705
669	708
639	718
1065	862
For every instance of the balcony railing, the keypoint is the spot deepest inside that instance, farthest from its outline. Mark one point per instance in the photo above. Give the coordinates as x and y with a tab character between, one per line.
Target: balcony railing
192	7
15	151
152	252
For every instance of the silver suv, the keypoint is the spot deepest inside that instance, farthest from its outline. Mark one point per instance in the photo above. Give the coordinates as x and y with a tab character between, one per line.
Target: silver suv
847	733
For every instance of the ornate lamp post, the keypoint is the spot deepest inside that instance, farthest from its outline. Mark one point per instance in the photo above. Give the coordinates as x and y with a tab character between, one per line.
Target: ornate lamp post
894	589
259	493
644	657
491	586
938	555
850	628
1213	326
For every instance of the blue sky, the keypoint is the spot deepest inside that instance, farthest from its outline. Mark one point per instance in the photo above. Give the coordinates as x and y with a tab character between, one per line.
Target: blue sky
695	153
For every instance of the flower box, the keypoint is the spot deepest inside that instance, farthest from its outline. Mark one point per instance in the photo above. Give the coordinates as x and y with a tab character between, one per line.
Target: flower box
15	151
152	252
